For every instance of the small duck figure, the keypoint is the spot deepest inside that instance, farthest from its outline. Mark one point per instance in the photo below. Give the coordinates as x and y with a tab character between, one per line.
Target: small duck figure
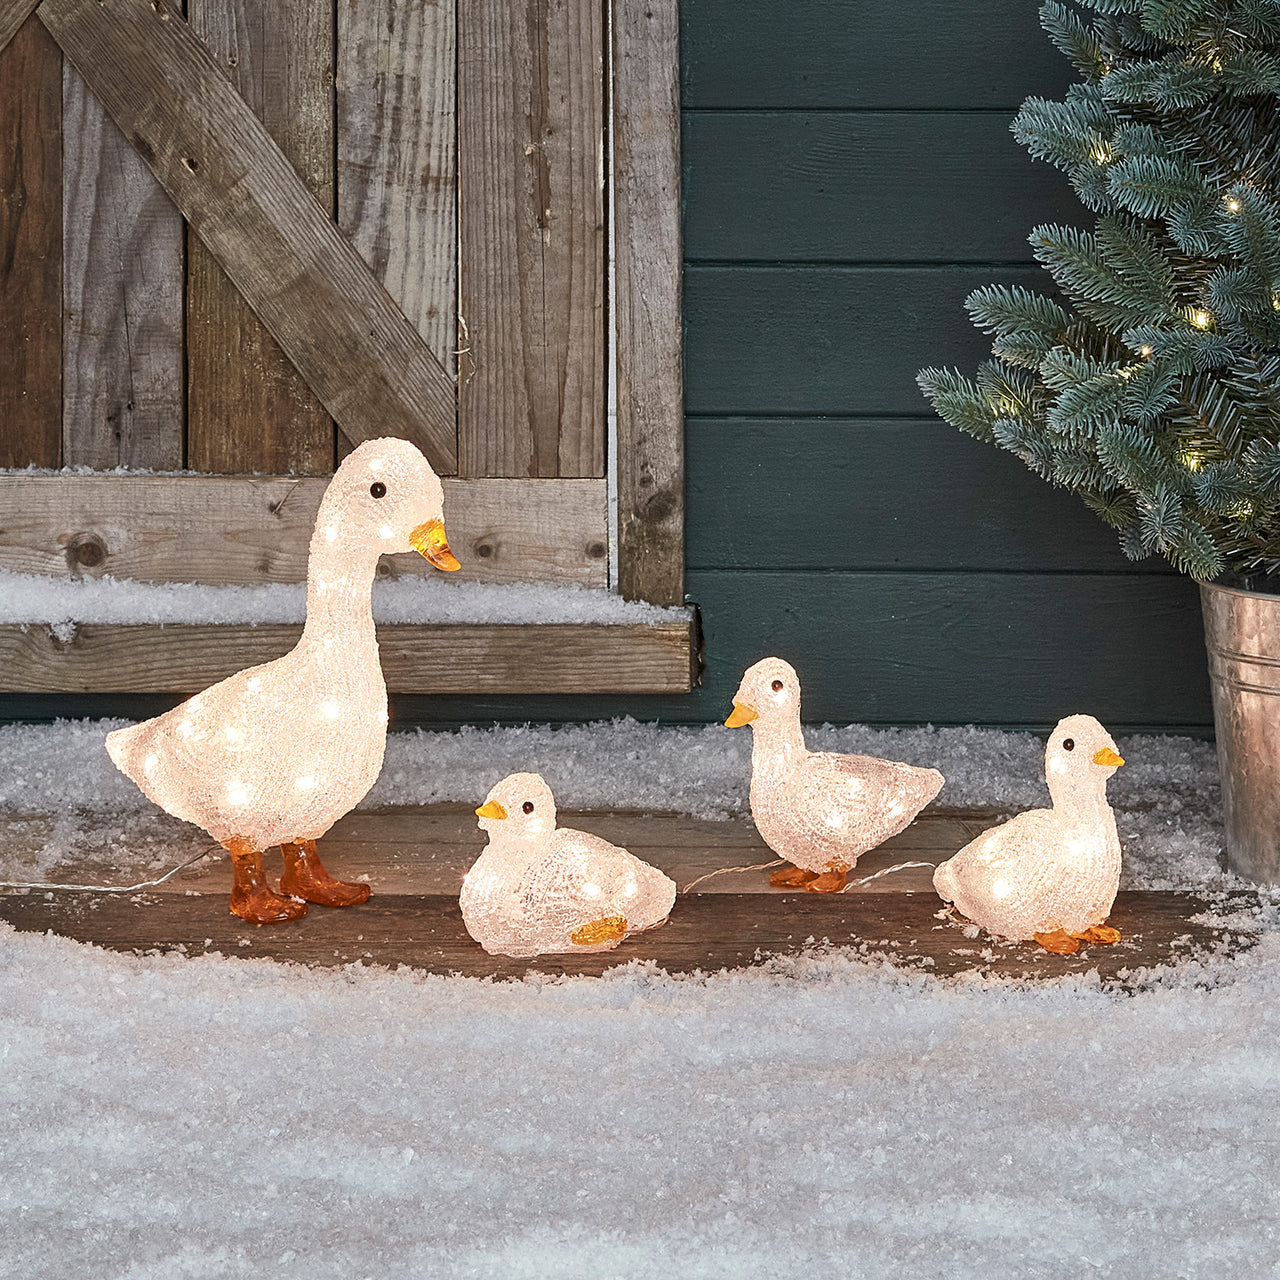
1048	874
277	753
538	888
819	810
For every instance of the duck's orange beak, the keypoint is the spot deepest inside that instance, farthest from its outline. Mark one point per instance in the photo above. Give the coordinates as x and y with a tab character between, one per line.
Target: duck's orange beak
429	540
1108	758
742	713
491	809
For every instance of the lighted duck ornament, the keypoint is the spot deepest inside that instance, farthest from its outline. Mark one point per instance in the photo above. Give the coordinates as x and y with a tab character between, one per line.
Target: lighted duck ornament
1049	874
277	753
539	888
819	810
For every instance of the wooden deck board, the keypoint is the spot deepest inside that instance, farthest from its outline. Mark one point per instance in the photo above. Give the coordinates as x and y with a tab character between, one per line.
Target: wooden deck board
415	860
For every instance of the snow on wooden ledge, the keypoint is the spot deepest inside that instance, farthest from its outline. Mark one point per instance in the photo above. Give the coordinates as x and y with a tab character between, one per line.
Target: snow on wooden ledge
104	634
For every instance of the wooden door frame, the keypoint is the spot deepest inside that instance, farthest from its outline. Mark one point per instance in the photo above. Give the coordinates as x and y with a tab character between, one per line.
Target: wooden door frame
396	386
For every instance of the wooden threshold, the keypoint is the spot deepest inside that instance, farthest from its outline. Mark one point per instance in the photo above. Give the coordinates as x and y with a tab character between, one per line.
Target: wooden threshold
415	860
431	658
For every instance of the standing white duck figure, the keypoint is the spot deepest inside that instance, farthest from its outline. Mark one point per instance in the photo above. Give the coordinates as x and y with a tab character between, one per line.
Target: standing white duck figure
817	809
539	888
277	753
1048	874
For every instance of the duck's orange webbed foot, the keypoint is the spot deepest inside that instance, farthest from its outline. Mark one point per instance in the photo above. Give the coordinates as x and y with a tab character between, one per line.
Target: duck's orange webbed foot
791	877
1102	934
1059	942
832	880
252	899
305	877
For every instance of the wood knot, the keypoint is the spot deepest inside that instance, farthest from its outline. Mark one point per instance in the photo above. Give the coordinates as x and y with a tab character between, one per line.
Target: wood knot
85	551
596	550
483	550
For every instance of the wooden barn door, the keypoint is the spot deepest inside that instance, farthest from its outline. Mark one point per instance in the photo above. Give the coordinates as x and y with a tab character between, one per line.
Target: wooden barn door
244	240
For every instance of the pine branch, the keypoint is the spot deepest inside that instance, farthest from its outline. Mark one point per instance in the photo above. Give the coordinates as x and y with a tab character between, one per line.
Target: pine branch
1074	39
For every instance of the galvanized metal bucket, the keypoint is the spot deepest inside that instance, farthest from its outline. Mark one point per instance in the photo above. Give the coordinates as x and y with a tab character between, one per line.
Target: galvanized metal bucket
1242	634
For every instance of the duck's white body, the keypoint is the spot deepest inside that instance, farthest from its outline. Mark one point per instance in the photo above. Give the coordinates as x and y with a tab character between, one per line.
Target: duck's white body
275	754
817	809
1047	870
538	888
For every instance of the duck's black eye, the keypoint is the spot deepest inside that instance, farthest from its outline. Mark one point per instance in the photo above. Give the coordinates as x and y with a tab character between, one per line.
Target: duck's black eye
527	806
1068	744
378	489
777	686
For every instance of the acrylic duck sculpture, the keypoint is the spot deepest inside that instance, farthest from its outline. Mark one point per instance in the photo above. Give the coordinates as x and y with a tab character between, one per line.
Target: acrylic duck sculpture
538	888
818	810
279	752
1048	874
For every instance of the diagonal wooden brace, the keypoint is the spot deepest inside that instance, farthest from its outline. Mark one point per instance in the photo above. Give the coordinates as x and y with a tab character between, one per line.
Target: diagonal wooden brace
354	347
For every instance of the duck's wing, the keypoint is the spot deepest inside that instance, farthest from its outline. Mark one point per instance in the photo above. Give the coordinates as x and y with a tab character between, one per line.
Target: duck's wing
583	879
836	793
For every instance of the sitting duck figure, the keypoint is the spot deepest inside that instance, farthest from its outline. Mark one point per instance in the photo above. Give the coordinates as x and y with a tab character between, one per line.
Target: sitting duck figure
539	888
1049	874
277	753
817	809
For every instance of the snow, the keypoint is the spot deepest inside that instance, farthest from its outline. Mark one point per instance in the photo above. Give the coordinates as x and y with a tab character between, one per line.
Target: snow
824	1116
63	602
821	1118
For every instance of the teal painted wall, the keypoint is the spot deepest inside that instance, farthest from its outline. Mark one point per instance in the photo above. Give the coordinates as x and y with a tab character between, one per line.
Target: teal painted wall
849	178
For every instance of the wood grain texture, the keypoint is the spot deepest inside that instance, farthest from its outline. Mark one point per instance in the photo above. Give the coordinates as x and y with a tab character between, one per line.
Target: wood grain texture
363	359
1015	649
248	407
30	245
829	339
706	933
881	493
873	54
13	13
892	186
456	658
240	530
647	315
122	298
530	169
397	155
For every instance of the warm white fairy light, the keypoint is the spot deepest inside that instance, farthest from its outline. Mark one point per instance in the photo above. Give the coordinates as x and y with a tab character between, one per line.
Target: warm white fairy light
538	888
1049	874
818	810
278	753
1201	318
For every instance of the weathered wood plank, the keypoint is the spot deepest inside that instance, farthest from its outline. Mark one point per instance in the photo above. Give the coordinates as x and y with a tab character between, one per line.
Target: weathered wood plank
873	54
531	139
122	298
891	493
30	245
363	359
241	530
449	658
1016	649
13	13
829	339
705	933
647	254
892	186
248	408
397	155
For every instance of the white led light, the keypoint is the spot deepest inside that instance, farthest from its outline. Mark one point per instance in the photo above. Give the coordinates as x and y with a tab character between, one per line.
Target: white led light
1048	873
538	888
818	810
288	747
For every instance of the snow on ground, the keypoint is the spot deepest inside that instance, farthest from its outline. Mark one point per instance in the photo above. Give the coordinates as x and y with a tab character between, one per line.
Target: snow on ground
1166	795
62	602
170	1118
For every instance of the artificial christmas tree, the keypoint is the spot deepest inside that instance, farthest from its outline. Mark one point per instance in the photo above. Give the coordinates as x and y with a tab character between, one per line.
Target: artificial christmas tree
1152	392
